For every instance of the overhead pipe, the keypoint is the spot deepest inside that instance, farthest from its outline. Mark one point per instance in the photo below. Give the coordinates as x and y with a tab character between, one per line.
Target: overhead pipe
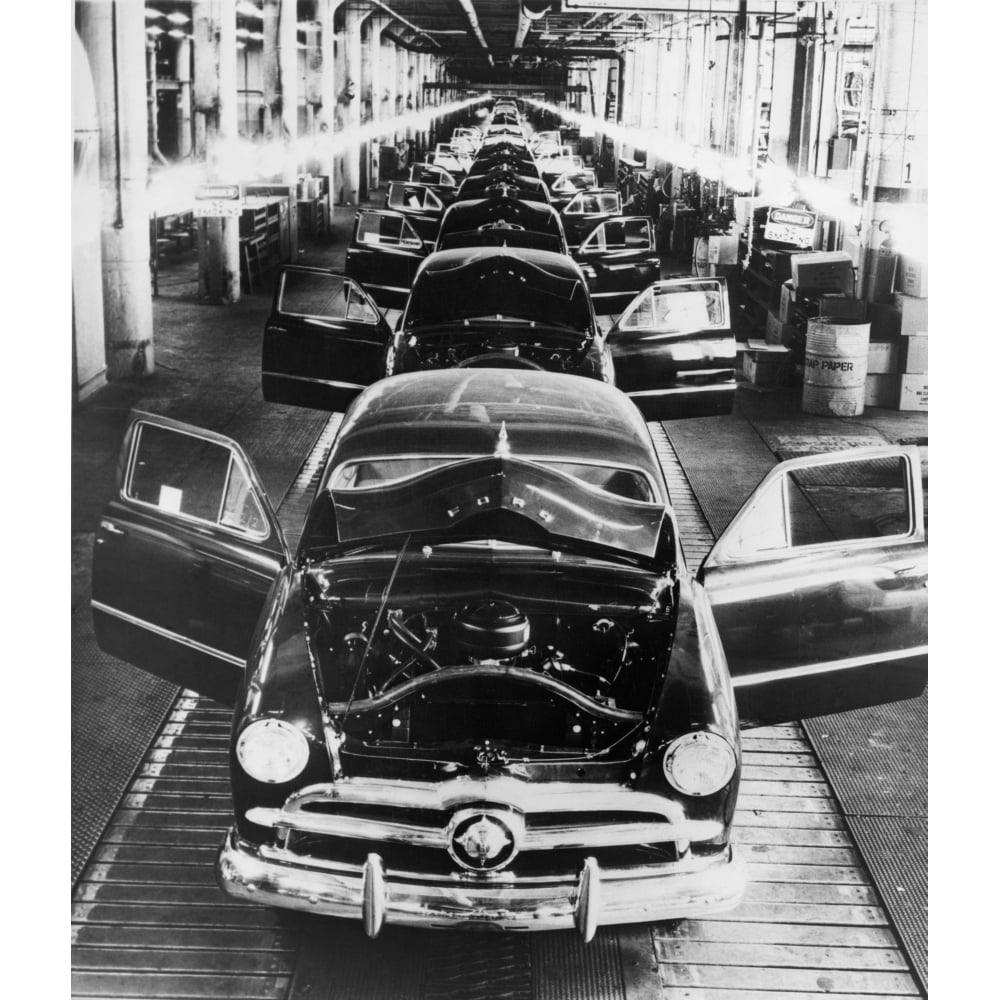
530	10
402	20
470	13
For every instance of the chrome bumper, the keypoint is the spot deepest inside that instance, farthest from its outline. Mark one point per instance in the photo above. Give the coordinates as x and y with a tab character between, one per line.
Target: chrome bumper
590	898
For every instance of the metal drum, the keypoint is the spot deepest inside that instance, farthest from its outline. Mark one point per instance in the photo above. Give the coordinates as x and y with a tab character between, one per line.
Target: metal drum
836	365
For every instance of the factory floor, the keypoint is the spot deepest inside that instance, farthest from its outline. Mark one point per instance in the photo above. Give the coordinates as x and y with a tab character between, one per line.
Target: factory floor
207	373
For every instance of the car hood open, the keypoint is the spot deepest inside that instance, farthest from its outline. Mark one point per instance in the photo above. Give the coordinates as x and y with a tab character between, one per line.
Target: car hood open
500	283
505	498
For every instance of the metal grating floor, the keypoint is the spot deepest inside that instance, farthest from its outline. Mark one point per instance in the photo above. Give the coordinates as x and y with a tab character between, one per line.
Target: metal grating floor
148	920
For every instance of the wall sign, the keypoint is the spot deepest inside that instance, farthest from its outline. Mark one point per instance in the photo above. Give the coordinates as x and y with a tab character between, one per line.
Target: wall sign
790	225
218	201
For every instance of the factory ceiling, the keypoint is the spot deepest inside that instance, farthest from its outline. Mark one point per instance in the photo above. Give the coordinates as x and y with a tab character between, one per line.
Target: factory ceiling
488	42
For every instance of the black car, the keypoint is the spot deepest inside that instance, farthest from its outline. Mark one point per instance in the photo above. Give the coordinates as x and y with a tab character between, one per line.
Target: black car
486	689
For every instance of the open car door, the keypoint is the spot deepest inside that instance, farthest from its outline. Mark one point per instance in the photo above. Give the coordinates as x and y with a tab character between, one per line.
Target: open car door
819	586
437	179
384	254
324	341
419	204
674	350
585	210
618	258
184	556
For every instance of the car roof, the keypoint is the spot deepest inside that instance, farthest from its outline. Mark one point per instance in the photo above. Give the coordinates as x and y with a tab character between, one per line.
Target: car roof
460	411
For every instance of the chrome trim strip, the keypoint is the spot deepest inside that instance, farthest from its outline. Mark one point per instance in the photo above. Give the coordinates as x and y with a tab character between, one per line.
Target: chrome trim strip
446	796
811	669
544	839
319	381
167	634
686	389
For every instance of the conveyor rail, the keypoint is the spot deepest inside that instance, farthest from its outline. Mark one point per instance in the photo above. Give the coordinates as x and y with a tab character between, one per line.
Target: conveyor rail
149	921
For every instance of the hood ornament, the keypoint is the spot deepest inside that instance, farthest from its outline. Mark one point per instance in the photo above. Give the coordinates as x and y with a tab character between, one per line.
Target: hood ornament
502	449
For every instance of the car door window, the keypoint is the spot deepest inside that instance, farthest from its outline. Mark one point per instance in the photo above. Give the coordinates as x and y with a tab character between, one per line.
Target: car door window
620	234
313	295
359	306
387	230
826	503
194	479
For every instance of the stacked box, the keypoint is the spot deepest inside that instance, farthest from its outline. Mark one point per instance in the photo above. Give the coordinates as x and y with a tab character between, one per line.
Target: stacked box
880	274
913	315
898	353
766	365
911	277
776	332
829	271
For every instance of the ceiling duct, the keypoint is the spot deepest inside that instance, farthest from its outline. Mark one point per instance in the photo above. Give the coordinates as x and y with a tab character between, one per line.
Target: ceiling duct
534	9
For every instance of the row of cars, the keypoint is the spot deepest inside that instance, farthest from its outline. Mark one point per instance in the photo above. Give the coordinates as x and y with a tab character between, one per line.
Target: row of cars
486	689
493	269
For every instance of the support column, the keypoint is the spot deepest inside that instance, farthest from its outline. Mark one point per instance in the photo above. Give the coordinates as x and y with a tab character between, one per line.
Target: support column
349	99
215	104
376	76
89	366
114	34
183	70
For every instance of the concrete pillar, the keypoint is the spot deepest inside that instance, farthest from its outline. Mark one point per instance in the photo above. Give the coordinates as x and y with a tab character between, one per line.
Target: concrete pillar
349	100
216	115
781	98
326	113
89	366
113	33
184	98
376	76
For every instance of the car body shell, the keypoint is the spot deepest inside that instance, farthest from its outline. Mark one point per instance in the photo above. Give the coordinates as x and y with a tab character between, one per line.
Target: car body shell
569	814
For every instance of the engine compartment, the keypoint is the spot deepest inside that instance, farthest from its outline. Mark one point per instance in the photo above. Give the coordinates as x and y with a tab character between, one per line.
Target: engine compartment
492	674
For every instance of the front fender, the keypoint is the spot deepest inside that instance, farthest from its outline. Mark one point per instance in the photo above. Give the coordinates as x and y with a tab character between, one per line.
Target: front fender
697	695
279	684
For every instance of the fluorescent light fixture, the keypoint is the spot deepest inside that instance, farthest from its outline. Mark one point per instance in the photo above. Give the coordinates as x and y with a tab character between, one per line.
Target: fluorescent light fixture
247	9
152	15
178	18
242	33
255	36
177	33
154	30
241	45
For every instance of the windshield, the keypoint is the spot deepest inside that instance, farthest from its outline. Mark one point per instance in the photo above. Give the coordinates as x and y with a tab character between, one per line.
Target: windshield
629	483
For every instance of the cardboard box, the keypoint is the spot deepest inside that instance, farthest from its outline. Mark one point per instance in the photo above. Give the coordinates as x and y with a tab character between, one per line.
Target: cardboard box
880	274
777	333
723	249
882	390
913	315
913	355
885	321
843	306
883	358
767	370
827	271
787	305
911	277
912	392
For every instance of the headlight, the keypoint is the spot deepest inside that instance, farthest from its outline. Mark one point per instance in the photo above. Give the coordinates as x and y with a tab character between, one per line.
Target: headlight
271	750
699	763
